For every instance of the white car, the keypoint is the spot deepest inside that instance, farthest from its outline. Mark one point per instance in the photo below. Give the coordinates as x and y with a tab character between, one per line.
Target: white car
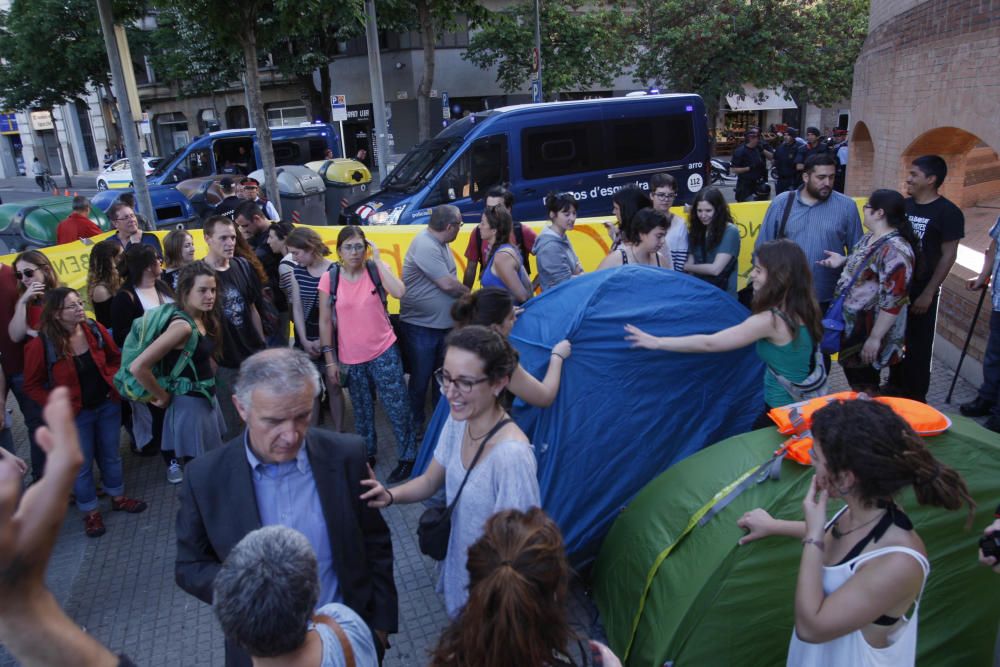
119	175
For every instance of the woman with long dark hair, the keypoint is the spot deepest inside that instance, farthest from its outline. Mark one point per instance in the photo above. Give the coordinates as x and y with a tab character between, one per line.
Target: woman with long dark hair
35	277
504	265
478	365
846	614
518	594
178	251
193	423
358	345
875	301
103	281
713	240
785	324
624	205
554	256
76	352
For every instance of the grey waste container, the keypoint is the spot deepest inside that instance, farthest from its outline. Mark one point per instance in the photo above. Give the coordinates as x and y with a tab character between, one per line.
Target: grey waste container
302	194
346	182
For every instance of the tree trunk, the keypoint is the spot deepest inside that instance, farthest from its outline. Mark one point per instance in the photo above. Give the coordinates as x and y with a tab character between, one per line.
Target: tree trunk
325	91
259	116
427	36
59	149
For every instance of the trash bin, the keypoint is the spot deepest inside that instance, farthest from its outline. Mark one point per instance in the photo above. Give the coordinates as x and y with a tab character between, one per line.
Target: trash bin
32	224
346	182
301	190
172	210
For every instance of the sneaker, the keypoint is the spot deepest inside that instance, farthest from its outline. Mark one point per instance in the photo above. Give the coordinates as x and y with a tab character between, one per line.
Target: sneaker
93	524
401	473
979	407
130	505
174	473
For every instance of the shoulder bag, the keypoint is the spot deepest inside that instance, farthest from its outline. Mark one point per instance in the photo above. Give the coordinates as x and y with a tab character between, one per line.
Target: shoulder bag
814	384
434	527
833	321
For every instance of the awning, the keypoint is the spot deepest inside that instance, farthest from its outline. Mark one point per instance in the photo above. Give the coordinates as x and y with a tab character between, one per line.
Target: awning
756	99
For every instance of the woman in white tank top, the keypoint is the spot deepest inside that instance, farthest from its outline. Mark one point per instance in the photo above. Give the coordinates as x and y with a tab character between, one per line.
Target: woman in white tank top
862	572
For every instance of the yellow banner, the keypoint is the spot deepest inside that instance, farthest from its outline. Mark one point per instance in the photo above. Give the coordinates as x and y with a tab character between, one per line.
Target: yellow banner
589	238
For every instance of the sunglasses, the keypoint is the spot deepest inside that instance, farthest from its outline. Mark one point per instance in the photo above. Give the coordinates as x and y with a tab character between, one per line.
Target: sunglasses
27	273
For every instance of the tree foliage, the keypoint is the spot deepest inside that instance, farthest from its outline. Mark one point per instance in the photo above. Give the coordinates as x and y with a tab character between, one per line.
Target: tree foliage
182	51
51	51
583	45
714	47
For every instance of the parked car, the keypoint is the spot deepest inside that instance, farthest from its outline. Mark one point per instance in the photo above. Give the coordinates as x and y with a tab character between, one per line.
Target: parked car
118	175
236	153
173	209
26	225
591	148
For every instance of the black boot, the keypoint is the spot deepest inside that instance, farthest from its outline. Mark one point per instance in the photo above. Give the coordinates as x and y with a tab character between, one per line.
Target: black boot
402	472
978	407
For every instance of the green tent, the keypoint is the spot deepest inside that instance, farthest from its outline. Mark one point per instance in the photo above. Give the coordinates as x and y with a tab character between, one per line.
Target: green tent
696	598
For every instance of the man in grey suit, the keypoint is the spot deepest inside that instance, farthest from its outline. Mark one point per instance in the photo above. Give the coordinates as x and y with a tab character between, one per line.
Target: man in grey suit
281	471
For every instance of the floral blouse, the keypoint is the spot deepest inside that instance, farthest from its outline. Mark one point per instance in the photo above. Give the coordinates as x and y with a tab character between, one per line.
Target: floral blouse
882	285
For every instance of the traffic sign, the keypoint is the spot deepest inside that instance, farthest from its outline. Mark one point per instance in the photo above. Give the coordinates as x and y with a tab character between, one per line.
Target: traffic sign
445	107
338	108
536	90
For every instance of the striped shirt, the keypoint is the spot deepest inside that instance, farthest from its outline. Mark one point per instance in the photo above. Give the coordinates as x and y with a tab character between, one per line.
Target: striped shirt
833	224
308	289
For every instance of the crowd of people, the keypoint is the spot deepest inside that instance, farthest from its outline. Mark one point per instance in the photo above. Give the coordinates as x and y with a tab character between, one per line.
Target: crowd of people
279	526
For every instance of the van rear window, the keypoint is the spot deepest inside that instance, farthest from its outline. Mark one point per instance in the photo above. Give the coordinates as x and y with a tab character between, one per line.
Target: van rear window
560	150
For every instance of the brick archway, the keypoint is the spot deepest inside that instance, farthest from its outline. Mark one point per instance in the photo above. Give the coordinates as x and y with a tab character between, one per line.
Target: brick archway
860	162
973	166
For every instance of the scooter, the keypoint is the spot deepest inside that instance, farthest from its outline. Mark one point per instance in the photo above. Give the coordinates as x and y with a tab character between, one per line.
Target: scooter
720	172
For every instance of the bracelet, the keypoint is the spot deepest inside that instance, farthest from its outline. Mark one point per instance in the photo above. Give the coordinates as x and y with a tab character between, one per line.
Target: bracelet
556	354
325	349
392	498
332	363
813	540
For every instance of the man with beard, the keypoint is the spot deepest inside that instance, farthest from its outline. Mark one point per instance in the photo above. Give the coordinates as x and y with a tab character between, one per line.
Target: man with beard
817	219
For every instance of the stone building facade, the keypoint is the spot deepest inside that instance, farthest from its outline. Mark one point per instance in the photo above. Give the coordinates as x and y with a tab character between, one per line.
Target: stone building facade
927	81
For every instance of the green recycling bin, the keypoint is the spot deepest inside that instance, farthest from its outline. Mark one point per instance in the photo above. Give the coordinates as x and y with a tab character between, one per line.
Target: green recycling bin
26	225
346	182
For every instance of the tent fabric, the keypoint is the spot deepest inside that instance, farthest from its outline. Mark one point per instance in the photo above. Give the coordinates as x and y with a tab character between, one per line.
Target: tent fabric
712	602
624	415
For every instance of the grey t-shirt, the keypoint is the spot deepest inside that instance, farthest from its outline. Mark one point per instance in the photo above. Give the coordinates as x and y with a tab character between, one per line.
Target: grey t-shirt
424	303
504	478
358	634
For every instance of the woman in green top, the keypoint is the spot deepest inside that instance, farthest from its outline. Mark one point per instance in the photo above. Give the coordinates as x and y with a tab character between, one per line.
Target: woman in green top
785	323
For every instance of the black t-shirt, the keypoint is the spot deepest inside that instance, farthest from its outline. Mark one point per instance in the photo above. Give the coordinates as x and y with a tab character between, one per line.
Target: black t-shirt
238	289
227	206
94	388
202	360
744	156
270	262
934	223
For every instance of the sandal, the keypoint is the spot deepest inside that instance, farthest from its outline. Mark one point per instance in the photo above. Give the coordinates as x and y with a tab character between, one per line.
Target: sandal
93	525
130	505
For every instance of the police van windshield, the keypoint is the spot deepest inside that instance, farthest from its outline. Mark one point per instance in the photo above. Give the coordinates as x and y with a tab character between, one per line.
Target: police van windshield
421	164
167	162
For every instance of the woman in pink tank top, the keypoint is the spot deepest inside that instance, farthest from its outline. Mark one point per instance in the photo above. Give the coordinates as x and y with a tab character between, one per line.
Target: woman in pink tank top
358	344
863	572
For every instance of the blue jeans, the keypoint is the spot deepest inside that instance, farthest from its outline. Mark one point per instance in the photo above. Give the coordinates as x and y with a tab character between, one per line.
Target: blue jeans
424	348
32	413
990	389
100	435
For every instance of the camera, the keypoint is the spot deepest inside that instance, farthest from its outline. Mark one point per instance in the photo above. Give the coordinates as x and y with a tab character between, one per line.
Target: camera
990	544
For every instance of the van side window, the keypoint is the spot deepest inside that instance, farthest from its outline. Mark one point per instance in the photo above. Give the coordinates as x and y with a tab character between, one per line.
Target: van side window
197	164
478	169
562	149
636	141
286	152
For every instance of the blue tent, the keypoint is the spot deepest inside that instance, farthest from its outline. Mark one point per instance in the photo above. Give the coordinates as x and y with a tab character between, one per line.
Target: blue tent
623	415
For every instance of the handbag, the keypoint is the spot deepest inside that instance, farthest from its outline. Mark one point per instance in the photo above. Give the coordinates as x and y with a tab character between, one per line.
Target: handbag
815	382
434	527
833	321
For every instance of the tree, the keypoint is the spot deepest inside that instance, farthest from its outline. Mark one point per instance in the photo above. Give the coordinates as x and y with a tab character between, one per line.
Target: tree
582	45
184	52
252	27
52	51
714	47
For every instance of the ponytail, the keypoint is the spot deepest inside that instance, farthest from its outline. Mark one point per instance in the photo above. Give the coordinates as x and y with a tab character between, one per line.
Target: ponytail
486	307
885	455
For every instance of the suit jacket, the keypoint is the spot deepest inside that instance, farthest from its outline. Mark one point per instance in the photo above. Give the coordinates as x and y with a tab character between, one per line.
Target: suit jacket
218	507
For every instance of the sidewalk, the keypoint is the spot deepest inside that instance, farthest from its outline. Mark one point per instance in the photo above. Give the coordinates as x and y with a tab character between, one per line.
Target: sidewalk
121	587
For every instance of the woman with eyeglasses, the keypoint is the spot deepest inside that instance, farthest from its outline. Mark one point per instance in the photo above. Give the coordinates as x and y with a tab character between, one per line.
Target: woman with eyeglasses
554	255
178	251
309	253
75	352
875	284
103	281
358	344
504	266
664	189
142	289
35	276
480	447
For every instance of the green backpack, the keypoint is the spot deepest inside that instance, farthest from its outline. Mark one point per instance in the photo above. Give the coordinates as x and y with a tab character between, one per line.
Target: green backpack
143	332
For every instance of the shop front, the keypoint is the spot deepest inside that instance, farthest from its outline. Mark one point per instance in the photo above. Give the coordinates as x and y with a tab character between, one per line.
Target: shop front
761	108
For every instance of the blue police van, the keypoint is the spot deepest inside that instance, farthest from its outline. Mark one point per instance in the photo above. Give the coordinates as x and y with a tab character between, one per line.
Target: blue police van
591	148
237	152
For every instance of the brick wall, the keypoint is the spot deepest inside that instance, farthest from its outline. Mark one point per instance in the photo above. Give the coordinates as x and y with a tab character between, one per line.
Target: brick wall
957	306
